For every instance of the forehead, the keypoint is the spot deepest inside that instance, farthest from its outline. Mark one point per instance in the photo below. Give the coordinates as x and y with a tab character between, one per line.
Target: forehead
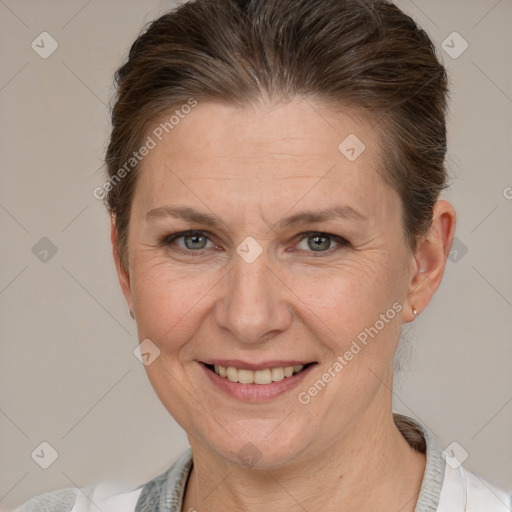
298	128
260	153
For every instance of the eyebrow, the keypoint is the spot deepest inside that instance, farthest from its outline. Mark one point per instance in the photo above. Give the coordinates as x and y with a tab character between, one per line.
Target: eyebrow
213	221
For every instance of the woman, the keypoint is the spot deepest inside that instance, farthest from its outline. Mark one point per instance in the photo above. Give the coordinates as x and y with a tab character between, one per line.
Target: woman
274	173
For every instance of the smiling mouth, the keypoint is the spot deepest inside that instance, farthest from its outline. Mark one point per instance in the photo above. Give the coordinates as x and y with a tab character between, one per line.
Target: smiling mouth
264	376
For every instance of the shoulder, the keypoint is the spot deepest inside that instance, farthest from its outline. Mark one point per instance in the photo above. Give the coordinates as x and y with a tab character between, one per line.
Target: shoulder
103	496
464	490
61	500
486	497
110	497
447	486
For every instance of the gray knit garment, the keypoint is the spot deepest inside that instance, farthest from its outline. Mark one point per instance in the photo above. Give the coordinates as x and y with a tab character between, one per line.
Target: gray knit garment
61	500
165	492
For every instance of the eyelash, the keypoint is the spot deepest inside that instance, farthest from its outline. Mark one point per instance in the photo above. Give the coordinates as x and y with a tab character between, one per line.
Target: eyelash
170	239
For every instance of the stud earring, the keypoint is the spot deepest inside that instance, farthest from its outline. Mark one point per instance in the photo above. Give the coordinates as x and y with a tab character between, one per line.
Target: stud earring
414	312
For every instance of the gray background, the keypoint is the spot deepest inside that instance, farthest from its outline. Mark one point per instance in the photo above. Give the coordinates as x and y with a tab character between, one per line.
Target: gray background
68	375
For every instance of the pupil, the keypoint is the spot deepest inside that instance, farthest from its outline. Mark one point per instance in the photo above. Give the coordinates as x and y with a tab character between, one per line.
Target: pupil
195	239
319	245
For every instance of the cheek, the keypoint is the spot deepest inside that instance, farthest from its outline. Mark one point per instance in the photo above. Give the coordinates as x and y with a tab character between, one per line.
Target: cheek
354	308
169	304
352	290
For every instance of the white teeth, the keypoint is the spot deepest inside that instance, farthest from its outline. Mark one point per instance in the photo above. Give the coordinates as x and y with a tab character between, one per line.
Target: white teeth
218	370
277	374
245	376
232	374
259	376
263	377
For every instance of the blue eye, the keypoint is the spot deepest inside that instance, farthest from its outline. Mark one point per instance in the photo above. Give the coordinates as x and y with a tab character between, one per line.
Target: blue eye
321	242
195	242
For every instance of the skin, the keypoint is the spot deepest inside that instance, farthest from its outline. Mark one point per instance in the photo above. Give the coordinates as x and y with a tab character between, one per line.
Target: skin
252	167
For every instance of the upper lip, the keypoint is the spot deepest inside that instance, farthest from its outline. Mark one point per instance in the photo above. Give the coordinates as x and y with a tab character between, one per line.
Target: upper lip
245	365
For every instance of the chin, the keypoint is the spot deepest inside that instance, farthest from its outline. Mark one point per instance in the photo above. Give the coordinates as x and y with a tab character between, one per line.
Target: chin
260	445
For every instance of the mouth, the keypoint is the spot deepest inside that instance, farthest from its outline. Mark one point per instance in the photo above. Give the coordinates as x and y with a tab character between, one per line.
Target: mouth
255	383
263	376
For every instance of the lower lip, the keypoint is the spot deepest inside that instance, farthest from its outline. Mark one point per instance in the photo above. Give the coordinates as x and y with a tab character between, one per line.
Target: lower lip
256	392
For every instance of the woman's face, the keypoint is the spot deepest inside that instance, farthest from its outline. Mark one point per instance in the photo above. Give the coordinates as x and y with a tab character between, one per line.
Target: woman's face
263	285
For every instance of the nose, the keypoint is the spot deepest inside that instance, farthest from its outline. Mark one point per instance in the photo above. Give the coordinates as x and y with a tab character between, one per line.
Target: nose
254	303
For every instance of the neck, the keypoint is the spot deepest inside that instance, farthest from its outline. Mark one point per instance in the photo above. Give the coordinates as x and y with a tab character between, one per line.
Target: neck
365	470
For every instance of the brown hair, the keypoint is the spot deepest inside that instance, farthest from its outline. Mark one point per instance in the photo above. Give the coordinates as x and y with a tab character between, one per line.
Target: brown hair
363	54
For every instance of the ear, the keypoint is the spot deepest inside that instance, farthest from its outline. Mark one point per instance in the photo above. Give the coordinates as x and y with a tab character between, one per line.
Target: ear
122	274
430	257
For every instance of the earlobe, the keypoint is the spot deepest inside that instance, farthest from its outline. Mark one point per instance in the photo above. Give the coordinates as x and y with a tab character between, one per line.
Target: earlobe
430	258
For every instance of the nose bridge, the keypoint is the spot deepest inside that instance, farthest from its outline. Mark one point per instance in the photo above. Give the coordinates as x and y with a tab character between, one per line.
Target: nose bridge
251	304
